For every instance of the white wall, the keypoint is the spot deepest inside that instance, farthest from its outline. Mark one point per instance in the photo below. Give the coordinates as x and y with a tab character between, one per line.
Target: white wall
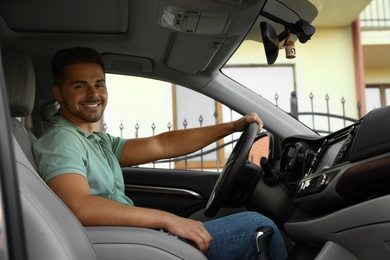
323	66
134	94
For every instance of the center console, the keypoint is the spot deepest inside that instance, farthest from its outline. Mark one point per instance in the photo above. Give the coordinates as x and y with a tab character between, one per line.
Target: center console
341	189
347	167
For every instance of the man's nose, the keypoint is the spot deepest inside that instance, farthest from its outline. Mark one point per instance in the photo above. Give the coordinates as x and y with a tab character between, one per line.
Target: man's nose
91	91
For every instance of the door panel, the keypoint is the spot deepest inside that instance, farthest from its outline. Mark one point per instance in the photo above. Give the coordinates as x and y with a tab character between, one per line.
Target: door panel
181	192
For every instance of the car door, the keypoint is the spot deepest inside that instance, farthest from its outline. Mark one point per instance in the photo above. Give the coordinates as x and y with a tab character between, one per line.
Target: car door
147	107
182	192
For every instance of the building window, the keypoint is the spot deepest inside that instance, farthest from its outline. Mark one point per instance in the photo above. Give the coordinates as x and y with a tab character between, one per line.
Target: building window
377	96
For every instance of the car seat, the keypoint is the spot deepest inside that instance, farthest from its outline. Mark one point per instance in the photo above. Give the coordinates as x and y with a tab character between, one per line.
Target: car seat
51	229
20	80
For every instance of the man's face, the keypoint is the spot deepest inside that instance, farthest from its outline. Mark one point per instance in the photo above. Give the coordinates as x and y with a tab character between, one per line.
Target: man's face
83	93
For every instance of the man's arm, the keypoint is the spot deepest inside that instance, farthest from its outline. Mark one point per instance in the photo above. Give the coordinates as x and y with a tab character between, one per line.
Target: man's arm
180	142
73	190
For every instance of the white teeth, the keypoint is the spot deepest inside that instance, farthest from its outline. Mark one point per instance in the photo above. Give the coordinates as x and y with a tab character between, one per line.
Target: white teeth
91	105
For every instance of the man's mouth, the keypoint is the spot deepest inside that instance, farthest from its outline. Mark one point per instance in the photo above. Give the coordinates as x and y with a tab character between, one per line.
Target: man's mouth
91	105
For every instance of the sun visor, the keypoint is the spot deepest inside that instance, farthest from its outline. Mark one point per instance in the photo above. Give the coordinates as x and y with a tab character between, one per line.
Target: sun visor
191	54
72	16
126	64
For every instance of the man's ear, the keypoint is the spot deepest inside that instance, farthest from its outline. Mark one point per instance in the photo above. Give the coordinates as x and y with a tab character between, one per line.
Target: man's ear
57	93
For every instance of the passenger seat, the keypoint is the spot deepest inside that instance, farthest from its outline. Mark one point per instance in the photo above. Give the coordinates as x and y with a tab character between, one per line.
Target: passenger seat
20	80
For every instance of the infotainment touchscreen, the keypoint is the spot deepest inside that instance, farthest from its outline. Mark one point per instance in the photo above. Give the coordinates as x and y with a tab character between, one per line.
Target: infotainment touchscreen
328	156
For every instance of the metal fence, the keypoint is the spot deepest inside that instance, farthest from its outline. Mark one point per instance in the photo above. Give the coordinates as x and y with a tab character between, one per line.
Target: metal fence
183	162
328	115
200	155
376	16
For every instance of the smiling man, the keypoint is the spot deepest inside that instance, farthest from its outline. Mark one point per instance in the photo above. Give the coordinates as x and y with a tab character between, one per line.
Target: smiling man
74	104
83	167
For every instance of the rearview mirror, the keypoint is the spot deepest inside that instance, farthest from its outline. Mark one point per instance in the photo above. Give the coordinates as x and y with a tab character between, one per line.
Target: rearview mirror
270	42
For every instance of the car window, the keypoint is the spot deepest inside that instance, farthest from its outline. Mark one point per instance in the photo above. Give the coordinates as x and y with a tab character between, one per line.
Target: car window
274	83
324	109
141	107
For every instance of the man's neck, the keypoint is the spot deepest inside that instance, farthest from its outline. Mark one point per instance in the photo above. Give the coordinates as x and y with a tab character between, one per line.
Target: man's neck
88	127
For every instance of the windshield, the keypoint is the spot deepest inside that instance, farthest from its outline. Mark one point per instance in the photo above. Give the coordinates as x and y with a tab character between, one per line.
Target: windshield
324	85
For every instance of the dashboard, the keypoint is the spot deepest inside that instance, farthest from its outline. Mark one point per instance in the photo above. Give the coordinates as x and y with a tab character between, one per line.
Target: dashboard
326	173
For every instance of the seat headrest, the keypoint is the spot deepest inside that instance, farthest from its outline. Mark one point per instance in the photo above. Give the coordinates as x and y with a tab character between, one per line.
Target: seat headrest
20	79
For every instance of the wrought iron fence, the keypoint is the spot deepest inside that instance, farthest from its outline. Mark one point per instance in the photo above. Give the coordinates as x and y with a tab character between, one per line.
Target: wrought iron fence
328	115
170	163
200	155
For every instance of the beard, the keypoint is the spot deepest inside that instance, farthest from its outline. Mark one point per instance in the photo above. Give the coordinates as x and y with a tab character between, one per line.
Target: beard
87	116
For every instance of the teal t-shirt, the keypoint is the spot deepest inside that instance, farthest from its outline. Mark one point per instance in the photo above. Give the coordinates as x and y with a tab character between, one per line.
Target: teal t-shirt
66	148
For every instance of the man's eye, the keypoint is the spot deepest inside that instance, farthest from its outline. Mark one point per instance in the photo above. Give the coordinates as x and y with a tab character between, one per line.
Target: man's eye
100	85
79	86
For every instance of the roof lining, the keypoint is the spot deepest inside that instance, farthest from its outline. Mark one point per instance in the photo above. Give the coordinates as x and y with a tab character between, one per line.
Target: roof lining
70	16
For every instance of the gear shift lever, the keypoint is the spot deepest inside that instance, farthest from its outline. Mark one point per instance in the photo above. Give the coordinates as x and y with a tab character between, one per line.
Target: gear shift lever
263	237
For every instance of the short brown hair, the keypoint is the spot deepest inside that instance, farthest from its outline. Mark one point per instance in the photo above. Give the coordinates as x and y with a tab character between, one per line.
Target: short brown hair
70	56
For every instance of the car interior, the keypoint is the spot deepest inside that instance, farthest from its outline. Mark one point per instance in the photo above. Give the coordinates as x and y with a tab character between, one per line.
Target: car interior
329	195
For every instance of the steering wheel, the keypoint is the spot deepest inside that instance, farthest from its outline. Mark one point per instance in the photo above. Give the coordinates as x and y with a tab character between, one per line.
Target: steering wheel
232	170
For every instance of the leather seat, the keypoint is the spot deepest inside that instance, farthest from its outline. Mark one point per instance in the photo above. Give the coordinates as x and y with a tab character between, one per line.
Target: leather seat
20	80
51	229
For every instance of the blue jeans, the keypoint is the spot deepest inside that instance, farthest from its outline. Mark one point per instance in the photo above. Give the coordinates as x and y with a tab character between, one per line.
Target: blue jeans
234	237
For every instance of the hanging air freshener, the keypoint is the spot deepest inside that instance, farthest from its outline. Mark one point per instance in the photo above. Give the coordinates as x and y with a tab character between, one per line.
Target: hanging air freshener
290	48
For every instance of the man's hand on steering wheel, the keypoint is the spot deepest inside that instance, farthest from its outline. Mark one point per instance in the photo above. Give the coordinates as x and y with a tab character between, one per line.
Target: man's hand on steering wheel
250	124
242	123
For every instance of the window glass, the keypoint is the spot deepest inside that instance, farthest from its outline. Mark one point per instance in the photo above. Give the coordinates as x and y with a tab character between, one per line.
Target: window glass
312	98
373	99
140	107
387	95
137	107
192	109
273	83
